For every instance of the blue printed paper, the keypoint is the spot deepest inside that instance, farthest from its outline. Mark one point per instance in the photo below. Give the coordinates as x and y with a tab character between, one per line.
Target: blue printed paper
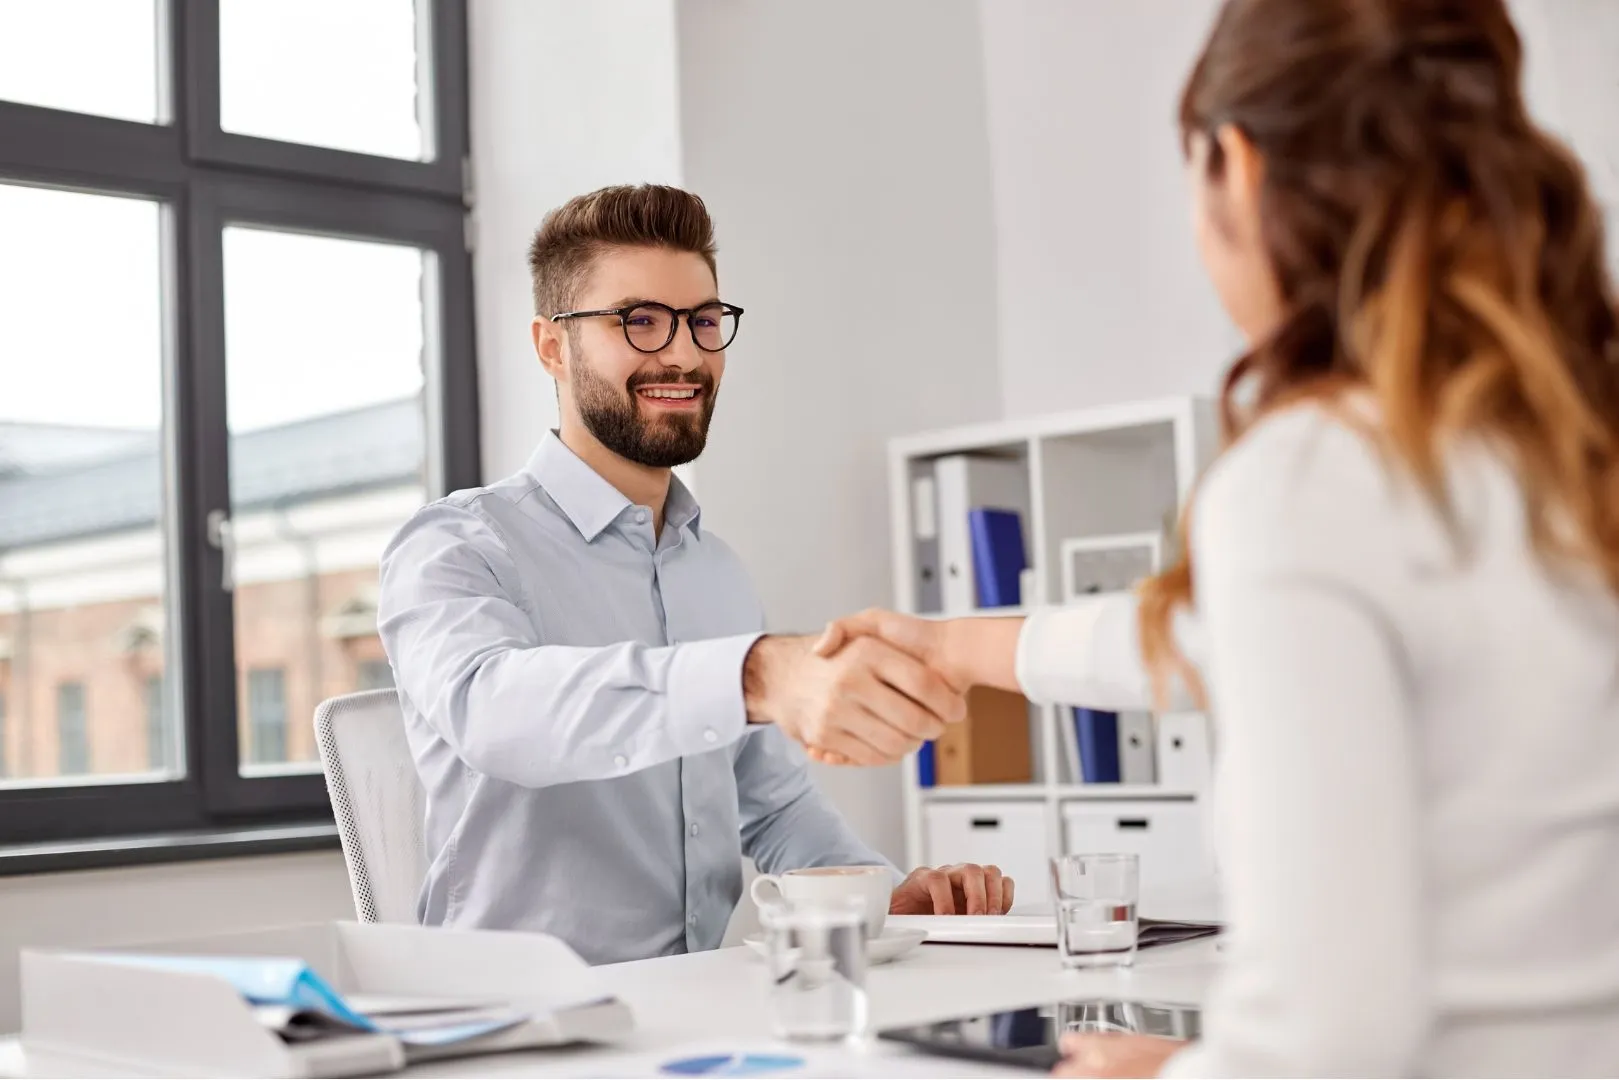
261	980
289	983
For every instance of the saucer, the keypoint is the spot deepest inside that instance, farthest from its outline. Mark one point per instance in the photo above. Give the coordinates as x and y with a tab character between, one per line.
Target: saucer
893	943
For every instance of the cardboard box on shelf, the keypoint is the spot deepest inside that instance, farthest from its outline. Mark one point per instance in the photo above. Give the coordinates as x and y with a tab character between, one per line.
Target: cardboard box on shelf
991	746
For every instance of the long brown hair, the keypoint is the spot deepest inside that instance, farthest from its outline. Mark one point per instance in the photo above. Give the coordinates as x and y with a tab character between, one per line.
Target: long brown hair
1434	249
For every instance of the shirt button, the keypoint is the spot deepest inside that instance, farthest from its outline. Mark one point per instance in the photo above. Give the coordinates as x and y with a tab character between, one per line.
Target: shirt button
710	735
691	920
640	517
620	760
694	829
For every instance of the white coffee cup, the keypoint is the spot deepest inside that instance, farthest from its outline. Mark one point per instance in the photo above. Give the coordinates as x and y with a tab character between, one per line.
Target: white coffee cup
872	886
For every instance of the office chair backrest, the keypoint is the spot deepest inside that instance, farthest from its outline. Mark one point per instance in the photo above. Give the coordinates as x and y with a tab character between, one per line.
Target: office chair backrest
378	800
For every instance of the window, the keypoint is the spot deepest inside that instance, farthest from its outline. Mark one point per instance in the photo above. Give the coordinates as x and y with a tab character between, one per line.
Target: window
356	64
72	736
374	675
157	726
90	56
263	204
267	717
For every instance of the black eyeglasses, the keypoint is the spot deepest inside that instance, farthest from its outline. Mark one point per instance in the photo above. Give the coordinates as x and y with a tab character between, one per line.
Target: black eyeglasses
649	326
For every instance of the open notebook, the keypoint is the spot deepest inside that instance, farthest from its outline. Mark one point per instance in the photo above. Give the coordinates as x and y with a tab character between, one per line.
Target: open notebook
1037	929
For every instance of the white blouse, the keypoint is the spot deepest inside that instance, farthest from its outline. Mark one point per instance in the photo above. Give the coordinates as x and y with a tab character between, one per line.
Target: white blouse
1416	801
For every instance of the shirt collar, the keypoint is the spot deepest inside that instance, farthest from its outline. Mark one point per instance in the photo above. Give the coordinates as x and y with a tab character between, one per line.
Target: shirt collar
589	501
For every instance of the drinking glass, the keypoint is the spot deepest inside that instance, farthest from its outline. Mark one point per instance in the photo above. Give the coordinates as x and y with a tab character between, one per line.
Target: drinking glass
816	956
1096	909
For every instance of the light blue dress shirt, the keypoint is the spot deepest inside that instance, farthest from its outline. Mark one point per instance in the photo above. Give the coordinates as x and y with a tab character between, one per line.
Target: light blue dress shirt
572	690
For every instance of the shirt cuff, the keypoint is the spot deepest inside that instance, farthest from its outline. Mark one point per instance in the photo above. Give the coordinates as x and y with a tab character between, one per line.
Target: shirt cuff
705	693
1051	645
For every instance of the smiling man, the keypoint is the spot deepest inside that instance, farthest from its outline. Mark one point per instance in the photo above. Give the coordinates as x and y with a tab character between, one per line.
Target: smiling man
602	728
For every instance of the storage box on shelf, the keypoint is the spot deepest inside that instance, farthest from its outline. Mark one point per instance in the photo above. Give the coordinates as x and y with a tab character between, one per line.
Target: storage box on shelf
1004	517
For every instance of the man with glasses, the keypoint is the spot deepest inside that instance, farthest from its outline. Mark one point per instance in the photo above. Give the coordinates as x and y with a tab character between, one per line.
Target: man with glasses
602	728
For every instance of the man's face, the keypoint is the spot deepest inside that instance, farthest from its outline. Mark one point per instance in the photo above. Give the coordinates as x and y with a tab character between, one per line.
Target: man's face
650	408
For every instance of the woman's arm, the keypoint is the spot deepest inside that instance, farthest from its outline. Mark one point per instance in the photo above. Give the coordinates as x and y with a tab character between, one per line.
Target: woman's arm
1087	653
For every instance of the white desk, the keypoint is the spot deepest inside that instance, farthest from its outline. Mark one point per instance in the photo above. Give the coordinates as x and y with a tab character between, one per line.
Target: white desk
717	999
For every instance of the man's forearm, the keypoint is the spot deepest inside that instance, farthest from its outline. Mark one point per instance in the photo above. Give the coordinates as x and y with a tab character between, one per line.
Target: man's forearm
559	714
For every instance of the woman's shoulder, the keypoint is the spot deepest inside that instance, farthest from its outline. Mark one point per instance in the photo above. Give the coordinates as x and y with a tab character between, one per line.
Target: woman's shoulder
1298	451
1310	483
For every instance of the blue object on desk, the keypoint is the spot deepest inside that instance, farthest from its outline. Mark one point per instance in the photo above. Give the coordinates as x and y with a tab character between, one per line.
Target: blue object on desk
1098	735
998	558
731	1065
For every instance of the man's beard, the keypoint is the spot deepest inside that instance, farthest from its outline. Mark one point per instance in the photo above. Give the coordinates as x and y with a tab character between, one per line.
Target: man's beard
614	417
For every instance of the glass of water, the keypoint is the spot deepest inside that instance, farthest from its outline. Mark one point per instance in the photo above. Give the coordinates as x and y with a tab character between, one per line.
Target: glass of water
817	961
1096	909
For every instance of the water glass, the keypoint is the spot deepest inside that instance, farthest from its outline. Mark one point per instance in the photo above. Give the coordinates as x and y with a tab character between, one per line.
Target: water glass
1096	909
816	955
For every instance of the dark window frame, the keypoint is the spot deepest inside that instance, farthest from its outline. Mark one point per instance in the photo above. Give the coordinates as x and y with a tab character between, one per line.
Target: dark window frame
206	178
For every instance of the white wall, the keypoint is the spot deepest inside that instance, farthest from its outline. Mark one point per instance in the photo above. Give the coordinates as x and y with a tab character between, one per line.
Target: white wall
1101	296
120	907
567	97
842	147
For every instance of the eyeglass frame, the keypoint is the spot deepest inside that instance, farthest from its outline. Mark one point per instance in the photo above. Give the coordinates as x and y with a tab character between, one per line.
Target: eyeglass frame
623	316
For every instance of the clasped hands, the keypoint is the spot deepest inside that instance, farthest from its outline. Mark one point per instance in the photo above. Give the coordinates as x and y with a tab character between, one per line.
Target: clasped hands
871	689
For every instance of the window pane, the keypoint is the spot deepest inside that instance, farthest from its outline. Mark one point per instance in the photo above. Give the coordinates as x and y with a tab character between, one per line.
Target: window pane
267	717
89	56
72	736
157	723
82	546
324	377
337	73
374	675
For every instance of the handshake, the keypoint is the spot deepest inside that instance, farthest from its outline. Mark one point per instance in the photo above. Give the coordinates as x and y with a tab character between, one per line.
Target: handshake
874	686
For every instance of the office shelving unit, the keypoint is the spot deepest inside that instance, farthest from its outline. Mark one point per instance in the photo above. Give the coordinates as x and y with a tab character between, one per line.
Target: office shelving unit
1117	470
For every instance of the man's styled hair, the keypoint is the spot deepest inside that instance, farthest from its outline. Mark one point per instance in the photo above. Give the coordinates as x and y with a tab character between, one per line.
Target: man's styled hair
645	215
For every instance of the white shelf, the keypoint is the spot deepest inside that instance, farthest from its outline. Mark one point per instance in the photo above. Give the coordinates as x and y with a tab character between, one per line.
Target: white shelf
1108	471
975	792
1000	435
1019	611
1094	792
1060	792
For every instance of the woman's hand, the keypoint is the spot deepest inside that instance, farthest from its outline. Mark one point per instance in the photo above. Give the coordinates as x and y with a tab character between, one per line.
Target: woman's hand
924	639
1103	1054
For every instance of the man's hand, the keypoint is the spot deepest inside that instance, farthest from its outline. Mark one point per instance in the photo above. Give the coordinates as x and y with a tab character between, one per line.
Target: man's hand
962	889
922	638
871	704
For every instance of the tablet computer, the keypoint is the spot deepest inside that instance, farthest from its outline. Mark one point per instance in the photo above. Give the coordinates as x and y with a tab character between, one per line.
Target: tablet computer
1030	1037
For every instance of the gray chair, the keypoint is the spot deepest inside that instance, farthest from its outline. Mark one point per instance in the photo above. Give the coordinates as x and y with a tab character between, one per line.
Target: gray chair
377	799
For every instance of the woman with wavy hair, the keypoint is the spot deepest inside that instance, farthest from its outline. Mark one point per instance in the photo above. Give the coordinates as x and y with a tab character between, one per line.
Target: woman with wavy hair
1400	593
